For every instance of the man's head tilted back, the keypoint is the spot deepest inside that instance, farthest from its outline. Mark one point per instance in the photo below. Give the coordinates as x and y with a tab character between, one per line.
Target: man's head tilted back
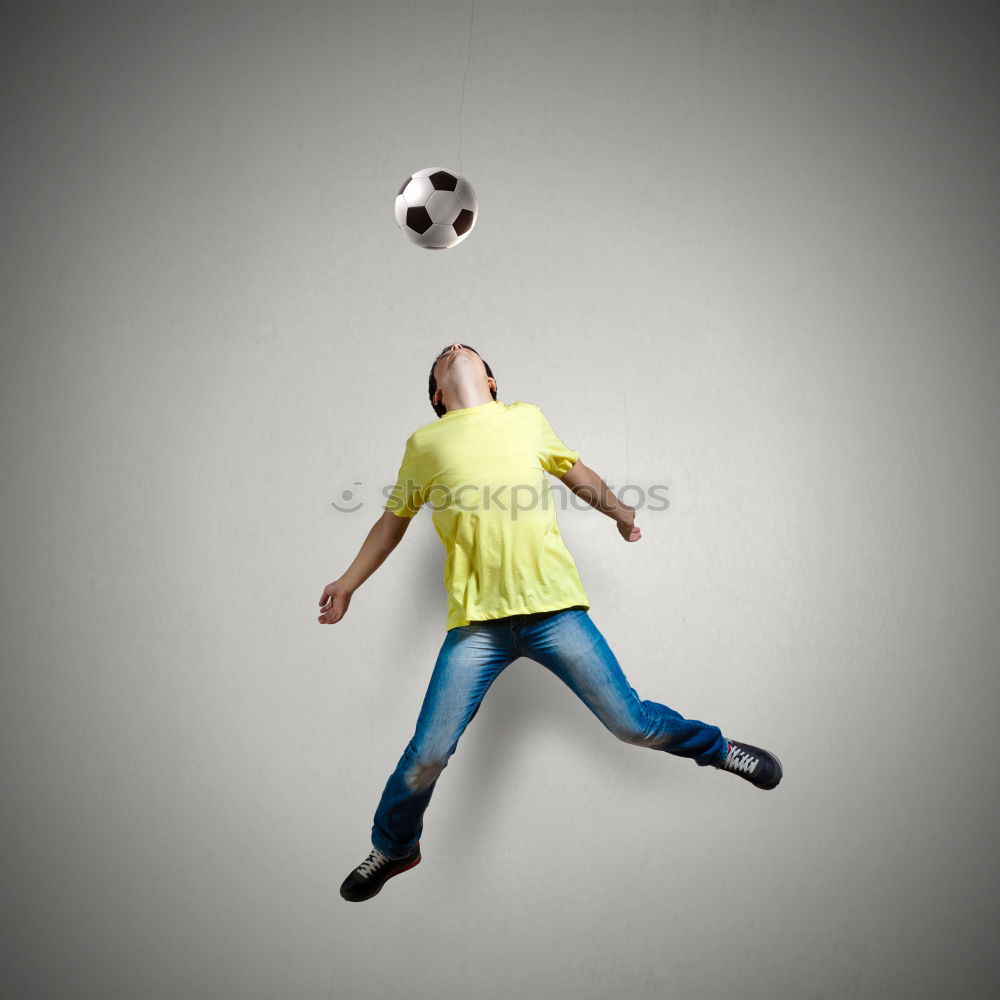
458	369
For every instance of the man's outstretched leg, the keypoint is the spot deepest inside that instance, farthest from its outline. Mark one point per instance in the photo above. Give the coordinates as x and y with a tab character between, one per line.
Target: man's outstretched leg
572	647
471	658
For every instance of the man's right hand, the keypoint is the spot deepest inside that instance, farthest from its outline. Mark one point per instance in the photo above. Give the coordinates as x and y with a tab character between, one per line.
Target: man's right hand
334	602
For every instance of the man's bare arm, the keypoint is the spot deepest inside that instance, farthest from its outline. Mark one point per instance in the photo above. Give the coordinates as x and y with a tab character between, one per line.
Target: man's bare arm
588	485
383	537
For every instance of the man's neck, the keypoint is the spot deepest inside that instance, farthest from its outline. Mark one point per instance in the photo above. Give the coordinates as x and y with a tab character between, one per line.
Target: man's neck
464	400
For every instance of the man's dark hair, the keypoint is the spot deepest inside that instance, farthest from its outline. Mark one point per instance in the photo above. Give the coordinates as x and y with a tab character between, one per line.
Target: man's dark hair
440	409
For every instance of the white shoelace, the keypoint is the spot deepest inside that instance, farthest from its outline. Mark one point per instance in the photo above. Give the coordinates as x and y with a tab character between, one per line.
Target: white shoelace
739	760
372	863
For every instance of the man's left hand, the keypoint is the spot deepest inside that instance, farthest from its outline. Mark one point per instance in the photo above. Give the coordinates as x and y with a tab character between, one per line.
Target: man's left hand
629	530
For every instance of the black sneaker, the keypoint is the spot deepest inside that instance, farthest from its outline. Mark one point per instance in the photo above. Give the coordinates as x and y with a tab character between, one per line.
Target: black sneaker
758	766
368	878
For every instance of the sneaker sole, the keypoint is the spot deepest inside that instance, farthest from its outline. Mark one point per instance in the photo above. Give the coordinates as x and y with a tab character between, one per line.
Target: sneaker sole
364	899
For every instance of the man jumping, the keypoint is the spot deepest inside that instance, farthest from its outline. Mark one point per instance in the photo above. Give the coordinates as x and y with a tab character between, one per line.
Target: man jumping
513	590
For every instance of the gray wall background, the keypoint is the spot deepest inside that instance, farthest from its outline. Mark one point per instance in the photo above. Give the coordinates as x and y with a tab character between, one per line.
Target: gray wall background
745	251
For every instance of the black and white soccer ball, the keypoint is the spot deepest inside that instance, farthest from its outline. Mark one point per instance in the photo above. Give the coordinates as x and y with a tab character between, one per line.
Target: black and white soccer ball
436	208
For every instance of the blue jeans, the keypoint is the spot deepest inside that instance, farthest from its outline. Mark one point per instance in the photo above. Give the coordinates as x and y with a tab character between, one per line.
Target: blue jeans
471	658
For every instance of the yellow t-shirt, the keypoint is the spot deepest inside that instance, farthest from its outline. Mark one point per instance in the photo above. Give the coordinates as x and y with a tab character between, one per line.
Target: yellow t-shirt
482	470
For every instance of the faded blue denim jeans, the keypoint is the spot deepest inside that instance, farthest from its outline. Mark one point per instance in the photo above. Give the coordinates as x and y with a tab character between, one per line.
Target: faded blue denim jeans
471	658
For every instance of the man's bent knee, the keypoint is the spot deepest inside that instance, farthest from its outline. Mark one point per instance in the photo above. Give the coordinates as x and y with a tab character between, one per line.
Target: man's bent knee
424	774
636	733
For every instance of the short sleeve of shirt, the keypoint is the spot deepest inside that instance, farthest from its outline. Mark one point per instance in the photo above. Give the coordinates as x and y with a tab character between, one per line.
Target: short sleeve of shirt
554	456
406	497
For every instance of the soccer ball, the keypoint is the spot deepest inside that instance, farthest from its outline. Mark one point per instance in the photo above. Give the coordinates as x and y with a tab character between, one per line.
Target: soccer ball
436	208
